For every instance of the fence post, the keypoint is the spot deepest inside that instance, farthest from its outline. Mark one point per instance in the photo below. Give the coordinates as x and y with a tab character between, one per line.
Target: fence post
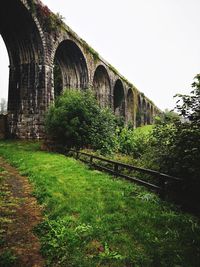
91	159
116	168
162	192
77	154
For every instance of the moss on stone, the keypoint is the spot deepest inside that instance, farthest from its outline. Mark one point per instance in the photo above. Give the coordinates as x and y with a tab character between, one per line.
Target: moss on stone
89	49
32	6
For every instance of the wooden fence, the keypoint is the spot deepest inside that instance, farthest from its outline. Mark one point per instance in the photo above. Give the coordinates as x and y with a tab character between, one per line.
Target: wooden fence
117	169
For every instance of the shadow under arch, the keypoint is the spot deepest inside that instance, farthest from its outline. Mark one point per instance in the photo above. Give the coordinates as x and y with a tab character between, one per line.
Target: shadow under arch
148	114
130	106
152	114
26	56
144	111
70	68
139	112
101	85
119	99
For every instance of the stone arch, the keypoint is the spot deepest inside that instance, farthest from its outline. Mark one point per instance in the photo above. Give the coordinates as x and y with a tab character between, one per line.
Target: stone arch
119	99
148	113
72	64
139	112
144	111
130	106
25	49
152	114
101	85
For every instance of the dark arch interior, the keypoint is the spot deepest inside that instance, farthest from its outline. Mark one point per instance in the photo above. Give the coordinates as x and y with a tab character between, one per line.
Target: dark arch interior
139	113
101	84
70	69
152	114
119	105
130	106
58	79
144	111
148	114
23	43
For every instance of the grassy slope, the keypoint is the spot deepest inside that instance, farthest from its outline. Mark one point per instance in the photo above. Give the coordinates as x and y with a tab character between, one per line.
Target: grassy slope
95	220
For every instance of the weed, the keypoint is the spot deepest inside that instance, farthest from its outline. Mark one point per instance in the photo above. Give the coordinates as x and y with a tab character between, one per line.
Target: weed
1	169
7	259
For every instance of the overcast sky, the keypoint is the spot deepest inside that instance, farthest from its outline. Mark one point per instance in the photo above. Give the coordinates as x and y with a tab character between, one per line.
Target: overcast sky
155	44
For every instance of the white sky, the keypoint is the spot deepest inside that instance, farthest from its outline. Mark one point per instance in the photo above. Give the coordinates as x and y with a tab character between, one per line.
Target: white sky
155	44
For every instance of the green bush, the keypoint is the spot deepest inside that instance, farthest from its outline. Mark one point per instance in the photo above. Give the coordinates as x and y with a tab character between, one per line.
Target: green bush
103	132
76	120
175	148
134	142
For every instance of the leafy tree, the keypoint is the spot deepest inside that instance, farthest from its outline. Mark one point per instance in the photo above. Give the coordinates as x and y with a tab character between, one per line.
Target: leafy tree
189	105
134	141
175	146
103	132
76	120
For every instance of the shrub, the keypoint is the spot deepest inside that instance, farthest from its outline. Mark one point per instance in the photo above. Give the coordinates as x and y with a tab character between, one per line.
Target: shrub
77	121
103	132
175	147
134	141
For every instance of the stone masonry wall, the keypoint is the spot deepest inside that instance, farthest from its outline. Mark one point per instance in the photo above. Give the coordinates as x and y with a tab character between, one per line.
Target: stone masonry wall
36	40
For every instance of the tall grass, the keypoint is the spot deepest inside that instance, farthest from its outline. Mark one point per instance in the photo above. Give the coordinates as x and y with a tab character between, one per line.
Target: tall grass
93	219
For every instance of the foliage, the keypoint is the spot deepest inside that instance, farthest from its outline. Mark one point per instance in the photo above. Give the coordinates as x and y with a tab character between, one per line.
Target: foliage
76	120
32	6
94	53
189	105
113	69
7	259
95	220
134	141
102	132
175	147
51	21
69	120
91	50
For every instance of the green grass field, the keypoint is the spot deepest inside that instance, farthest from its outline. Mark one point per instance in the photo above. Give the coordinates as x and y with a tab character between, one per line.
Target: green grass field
93	219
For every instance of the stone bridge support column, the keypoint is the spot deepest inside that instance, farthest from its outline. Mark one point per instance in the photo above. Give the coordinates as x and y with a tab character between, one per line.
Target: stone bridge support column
27	100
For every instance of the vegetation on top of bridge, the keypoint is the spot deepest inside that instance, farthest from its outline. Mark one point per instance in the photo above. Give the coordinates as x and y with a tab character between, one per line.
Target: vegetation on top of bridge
53	23
50	21
95	220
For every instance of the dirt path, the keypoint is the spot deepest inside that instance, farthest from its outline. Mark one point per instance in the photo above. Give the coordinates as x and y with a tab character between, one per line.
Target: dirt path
19	213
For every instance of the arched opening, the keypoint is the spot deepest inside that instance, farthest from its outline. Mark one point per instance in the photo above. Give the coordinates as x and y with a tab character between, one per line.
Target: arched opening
152	115
101	85
144	111
148	113
4	75
70	69
139	112
58	79
130	106
119	102
25	50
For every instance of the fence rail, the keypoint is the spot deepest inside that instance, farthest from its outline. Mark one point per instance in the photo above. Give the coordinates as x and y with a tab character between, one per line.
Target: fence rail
117	167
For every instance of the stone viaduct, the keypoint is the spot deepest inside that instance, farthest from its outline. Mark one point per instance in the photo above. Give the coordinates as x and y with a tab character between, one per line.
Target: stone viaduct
45	57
